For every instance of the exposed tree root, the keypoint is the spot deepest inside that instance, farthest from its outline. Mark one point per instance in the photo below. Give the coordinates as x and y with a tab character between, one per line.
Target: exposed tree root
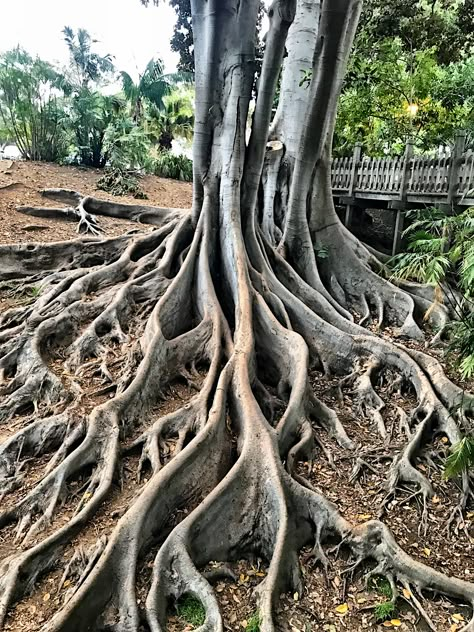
209	298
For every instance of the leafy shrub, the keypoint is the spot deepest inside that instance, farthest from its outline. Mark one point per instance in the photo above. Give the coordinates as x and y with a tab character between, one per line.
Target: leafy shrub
32	111
127	148
175	166
441	252
385	610
382	586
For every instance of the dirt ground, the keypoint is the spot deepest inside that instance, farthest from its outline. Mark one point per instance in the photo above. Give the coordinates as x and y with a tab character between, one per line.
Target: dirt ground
341	601
20	183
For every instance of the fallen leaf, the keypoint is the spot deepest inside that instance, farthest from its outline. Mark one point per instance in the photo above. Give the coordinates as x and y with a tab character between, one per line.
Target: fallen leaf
457	617
396	623
361	600
427	551
406	593
46	597
296	596
453	628
342	608
387	624
436	499
67	583
364	516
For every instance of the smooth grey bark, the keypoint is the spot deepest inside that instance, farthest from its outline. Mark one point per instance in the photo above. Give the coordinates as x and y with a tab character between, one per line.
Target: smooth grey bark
209	299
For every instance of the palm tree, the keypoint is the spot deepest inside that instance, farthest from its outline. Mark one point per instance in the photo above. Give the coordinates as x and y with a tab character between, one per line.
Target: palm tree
88	65
176	118
153	86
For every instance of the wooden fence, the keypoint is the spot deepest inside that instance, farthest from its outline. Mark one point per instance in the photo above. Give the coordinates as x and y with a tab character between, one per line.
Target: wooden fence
403	182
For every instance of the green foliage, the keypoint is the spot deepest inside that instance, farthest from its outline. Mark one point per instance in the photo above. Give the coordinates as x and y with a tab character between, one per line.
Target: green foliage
461	457
175	118
182	40
441	253
385	611
86	64
446	26
177	167
34	291
462	344
91	111
382	586
410	76
32	108
191	610
91	115
152	87
253	623
126	145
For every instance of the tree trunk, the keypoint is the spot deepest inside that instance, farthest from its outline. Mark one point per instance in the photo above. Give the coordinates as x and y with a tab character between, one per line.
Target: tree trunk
239	306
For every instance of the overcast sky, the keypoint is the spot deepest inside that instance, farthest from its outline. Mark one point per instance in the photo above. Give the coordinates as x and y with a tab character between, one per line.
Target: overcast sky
132	33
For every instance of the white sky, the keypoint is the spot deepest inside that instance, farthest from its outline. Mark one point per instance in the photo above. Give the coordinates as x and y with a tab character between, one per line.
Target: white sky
125	28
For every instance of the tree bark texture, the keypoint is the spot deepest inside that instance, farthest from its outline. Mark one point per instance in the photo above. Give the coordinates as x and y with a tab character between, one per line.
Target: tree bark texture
232	298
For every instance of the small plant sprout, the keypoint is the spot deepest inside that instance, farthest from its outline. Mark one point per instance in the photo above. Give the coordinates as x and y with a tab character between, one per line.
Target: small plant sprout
253	623
382	586
384	611
191	610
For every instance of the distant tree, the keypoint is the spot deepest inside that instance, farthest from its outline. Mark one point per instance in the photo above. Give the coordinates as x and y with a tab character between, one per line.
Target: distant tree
447	26
87	66
410	76
175	118
182	40
32	110
152	86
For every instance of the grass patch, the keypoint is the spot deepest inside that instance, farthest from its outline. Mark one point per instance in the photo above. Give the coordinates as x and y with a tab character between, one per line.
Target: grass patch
385	610
253	624
191	610
382	586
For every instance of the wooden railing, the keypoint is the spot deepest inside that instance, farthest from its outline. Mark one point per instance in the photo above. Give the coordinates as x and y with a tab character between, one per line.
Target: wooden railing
448	179
404	182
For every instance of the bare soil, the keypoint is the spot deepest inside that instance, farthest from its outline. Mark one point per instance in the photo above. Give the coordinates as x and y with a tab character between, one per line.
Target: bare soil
20	183
340	601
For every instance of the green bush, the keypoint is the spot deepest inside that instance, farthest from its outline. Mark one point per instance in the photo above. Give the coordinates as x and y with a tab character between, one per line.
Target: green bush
33	112
441	252
175	166
385	610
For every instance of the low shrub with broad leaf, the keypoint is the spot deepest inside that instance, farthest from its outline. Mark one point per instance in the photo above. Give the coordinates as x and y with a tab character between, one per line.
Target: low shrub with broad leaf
441	252
176	166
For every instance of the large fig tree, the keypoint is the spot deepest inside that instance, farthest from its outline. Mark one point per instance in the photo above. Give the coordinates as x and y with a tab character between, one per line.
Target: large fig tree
230	297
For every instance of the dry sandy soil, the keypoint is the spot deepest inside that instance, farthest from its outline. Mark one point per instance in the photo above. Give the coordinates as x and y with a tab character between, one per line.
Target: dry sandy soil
339	602
20	183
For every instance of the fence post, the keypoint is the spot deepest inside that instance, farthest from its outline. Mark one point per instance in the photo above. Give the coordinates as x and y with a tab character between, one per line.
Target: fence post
455	164
352	183
401	205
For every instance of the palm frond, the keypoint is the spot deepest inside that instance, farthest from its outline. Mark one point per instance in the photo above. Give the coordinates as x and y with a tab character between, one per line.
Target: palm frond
461	457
